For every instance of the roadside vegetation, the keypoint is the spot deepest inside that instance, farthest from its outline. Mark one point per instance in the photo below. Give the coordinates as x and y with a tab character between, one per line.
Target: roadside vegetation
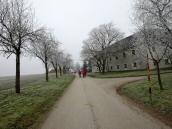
20	111
126	74
161	100
8	82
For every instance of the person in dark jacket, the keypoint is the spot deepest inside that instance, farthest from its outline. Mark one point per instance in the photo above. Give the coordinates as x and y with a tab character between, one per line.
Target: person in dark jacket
79	72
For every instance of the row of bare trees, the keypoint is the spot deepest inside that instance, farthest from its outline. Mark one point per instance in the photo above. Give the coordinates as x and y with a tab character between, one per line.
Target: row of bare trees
20	35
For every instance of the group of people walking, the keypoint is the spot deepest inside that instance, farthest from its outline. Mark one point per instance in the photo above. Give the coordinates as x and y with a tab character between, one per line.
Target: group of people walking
82	73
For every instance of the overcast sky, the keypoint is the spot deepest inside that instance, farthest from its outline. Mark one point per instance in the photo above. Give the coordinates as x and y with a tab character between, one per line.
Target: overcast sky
71	21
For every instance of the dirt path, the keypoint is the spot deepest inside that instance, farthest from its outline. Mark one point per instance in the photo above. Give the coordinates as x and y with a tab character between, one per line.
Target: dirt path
94	104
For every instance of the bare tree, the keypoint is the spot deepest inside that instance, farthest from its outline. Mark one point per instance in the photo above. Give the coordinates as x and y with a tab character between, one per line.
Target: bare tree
16	31
60	62
55	60
100	39
151	40
67	63
89	53
43	47
159	13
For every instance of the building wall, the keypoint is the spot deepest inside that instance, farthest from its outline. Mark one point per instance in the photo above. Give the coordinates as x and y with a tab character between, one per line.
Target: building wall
127	60
135	58
119	61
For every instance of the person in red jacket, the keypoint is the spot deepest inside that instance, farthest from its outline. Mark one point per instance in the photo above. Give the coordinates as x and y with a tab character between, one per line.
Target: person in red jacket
84	72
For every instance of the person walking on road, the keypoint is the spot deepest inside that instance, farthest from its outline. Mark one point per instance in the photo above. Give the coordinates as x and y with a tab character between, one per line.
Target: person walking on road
79	73
84	72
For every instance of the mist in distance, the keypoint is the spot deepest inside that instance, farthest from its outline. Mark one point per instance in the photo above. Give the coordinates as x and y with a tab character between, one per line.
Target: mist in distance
71	21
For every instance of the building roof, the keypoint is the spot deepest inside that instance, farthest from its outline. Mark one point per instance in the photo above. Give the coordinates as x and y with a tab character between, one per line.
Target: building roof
123	45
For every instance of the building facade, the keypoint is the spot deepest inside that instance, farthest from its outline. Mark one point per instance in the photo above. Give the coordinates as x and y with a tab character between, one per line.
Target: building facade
126	57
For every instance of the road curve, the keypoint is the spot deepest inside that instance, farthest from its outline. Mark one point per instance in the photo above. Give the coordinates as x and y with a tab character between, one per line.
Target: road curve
94	104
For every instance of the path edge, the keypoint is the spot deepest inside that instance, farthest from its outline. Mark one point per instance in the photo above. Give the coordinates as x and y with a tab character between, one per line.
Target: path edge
166	119
43	117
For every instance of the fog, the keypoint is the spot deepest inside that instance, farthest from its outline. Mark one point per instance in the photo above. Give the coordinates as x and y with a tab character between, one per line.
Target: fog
71	21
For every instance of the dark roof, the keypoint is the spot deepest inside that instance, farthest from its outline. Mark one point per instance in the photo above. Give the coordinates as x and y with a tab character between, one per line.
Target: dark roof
123	45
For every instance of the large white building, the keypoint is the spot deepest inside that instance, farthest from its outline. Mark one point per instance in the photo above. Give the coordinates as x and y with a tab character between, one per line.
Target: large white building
124	56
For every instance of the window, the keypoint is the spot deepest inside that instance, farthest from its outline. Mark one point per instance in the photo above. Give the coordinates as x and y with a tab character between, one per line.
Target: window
135	64
111	67
133	52
110	59
166	61
125	65
117	66
116	58
124	55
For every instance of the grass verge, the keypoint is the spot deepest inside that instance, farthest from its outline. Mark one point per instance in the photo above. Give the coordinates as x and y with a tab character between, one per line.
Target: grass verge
9	81
161	104
23	110
121	74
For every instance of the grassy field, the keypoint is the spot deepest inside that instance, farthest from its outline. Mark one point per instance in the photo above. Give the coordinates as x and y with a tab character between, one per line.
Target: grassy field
37	96
9	82
161	100
125	74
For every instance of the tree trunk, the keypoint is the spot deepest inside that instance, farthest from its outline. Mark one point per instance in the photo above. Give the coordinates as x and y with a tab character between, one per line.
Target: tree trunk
64	70
56	73
60	71
159	76
98	66
171	63
17	85
107	66
103	66
103	70
46	71
99	69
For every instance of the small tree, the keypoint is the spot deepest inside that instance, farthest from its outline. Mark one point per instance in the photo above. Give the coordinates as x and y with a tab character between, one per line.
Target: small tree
43	49
55	60
152	44
16	31
67	63
153	22
149	42
60	62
